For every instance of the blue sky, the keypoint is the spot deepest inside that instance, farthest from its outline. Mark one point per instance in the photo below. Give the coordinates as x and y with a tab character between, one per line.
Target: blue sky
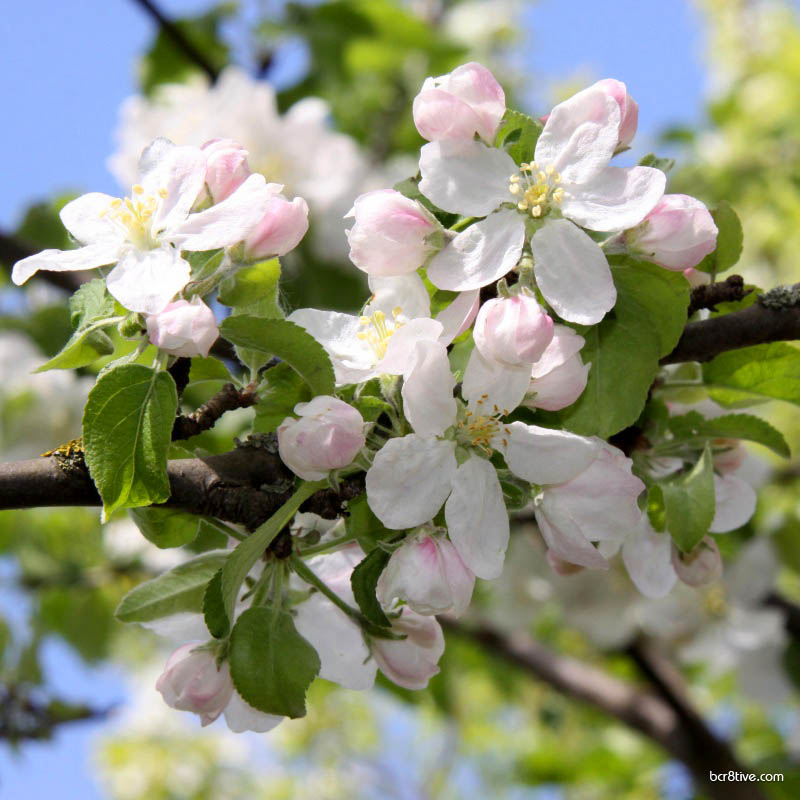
65	68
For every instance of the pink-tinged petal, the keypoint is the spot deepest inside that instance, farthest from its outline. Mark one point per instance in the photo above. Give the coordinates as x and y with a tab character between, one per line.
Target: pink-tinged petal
440	115
459	315
477	520
226	167
182	627
428	384
241	717
566	542
735	503
580	136
88	219
410	479
700	567
648	558
280	230
494	384
465	177
174	174
228	222
617	198
629	110
338	334
481	254
400	348
146	280
413	661
344	656
602	499
560	387
406	292
545	456
89	257
183	328
563	346
512	330
572	272
477	86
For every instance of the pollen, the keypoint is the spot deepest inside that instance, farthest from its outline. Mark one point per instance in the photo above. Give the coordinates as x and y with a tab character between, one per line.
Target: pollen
479	429
134	214
377	329
536	188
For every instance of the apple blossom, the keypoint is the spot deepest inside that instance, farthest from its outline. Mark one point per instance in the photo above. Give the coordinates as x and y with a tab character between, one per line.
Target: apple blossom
465	102
647	555
677	234
413	661
280	230
226	167
328	435
628	109
700	567
145	233
569	177
183	328
391	234
192	681
427	573
734	503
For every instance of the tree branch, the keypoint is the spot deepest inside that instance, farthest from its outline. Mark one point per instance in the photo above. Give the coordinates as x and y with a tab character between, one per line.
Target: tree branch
179	39
709	295
658	717
13	250
765	321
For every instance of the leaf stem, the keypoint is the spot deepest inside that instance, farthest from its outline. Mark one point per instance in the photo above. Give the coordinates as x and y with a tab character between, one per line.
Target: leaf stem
462	223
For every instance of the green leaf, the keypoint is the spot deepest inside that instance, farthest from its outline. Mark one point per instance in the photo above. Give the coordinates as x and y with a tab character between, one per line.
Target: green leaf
179	590
652	160
166	527
730	426
272	665
729	241
90	308
363	579
689	503
127	426
209	370
764	372
625	347
287	341
280	391
214	608
253	290
252	548
364	525
518	134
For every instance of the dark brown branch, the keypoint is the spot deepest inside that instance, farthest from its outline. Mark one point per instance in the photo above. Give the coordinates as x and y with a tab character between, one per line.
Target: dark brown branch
709	295
226	399
652	715
174	32
764	321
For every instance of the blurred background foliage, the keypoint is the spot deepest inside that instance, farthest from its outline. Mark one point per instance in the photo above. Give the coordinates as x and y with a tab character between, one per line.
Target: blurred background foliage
484	727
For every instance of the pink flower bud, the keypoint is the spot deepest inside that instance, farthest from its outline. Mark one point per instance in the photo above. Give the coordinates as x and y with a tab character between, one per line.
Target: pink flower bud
413	661
731	459
467	101
677	234
226	167
427	573
628	109
328	435
390	233
512	330
183	328
696	277
191	682
281	228
560	387
700	567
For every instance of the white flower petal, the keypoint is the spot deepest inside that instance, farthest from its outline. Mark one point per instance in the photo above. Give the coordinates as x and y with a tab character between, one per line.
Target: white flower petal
427	391
481	254
338	334
89	257
477	520
241	716
344	656
572	272
648	558
410	479
563	346
545	456
88	220
146	280
616	199
182	627
580	135
565	541
465	177
406	292
459	315
225	223
400	347
560	387
735	501
494	383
